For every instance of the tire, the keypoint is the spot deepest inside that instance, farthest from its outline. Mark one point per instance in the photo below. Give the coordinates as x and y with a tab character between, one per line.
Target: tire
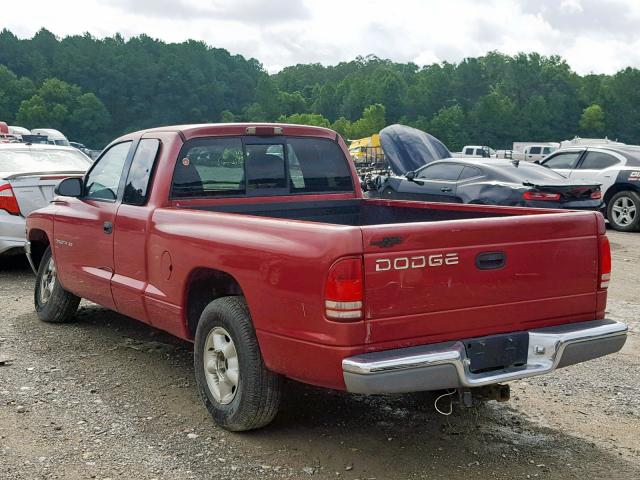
53	303
623	211
226	341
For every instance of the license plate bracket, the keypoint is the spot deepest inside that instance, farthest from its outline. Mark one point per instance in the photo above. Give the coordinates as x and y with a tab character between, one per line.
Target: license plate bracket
497	352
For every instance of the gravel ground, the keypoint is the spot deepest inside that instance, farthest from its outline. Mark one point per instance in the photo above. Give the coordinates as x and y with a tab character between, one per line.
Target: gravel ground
107	397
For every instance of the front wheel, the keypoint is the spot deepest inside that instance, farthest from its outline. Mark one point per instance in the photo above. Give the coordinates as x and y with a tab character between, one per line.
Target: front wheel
237	389
53	303
623	211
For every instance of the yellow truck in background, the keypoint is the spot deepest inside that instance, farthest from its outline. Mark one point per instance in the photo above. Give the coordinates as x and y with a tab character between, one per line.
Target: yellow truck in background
366	150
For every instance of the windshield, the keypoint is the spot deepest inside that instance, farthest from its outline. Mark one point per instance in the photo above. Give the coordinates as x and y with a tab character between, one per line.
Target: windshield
26	161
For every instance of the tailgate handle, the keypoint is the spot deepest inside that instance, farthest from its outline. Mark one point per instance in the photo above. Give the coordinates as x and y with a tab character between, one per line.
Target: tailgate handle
491	260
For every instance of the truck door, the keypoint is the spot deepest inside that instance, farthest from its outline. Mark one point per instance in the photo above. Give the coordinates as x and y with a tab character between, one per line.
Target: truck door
434	183
83	229
130	233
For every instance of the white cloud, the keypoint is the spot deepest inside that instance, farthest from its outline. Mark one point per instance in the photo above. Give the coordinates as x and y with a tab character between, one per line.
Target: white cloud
593	35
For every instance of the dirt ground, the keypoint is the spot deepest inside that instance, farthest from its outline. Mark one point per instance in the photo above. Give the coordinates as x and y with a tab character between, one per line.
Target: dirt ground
107	397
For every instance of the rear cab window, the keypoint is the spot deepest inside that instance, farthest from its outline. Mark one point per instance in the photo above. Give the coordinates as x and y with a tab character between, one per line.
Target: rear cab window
255	166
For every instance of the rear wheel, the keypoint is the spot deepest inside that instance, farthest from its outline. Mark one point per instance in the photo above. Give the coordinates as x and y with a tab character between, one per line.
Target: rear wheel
53	303
623	211
237	389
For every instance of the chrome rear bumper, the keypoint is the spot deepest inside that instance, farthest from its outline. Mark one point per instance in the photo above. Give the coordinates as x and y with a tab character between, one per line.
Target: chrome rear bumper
446	365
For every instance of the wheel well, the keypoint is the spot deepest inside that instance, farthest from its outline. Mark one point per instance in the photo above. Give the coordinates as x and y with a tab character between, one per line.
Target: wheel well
619	187
39	243
204	286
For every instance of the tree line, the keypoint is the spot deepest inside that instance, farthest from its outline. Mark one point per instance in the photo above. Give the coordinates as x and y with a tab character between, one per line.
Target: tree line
97	89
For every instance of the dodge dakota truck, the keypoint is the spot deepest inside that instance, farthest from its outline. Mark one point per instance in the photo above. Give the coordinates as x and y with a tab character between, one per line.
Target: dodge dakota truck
254	242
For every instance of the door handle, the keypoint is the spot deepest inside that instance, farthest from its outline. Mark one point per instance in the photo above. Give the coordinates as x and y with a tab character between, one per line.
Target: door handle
491	260
107	227
446	189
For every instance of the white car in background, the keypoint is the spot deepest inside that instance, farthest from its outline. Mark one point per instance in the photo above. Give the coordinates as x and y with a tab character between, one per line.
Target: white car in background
616	168
28	175
475	151
54	137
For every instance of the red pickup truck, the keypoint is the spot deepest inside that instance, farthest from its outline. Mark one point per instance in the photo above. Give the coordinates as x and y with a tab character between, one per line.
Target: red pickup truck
255	243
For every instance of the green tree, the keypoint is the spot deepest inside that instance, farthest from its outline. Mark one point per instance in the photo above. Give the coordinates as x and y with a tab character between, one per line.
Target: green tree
450	126
13	91
64	107
372	121
306	119
592	121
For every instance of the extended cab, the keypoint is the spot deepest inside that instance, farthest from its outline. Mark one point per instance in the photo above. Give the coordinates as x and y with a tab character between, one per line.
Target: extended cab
255	242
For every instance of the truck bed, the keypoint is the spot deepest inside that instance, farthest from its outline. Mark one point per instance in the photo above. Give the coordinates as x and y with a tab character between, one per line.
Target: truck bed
547	277
362	212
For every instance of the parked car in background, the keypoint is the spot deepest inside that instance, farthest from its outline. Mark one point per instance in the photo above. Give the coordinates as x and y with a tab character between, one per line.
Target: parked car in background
255	243
54	137
475	151
493	182
92	154
18	132
589	142
28	175
616	168
528	153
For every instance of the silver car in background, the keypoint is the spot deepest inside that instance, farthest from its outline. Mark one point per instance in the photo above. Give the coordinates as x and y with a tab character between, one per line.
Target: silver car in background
28	175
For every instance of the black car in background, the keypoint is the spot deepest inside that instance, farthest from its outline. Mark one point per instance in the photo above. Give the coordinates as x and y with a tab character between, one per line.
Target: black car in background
492	182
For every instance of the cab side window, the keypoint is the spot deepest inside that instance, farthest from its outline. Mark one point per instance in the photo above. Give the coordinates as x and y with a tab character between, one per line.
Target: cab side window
135	189
103	180
534	150
598	161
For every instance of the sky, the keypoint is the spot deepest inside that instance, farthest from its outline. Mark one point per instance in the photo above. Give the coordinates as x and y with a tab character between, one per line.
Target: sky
594	36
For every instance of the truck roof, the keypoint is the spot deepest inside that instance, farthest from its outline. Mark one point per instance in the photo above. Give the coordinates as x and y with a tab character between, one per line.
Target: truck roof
219	129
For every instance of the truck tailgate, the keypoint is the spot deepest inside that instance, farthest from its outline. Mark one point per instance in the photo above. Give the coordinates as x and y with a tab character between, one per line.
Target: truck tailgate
428	282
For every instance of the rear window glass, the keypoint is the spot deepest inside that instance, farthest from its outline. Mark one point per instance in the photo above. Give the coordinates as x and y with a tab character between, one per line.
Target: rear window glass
530	171
42	160
235	167
470	172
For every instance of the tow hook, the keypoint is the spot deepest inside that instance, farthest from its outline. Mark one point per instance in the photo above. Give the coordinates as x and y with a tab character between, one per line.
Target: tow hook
469	397
497	392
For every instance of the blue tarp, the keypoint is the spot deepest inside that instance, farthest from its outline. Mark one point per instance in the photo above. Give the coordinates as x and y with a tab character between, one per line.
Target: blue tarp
407	148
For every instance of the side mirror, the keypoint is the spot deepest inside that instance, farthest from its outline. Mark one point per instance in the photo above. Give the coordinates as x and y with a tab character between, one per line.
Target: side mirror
410	176
537	161
69	187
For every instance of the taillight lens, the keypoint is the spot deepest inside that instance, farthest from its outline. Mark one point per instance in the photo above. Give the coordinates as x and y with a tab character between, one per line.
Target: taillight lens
596	195
537	195
8	200
604	262
343	292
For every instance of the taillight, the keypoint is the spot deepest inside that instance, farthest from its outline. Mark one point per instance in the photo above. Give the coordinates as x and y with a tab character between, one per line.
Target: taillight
596	195
604	262
343	292
8	200
537	195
